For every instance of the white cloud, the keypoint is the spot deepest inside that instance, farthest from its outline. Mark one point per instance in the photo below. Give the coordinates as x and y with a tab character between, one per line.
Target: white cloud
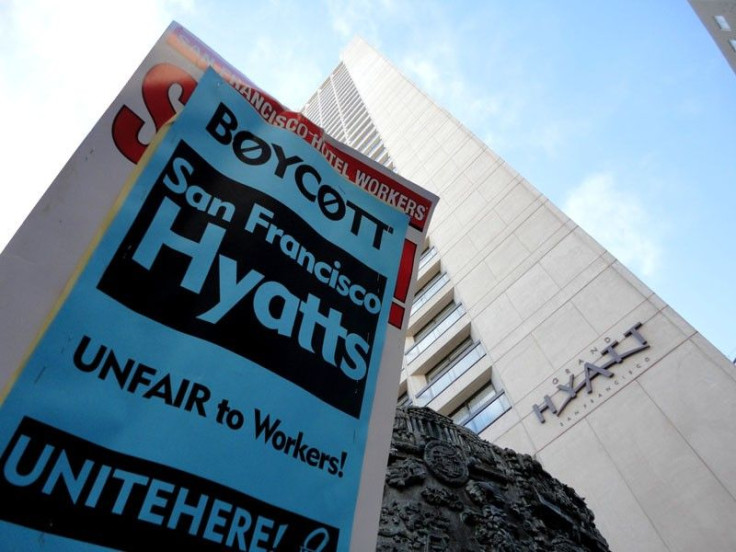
351	17
618	218
291	86
425	72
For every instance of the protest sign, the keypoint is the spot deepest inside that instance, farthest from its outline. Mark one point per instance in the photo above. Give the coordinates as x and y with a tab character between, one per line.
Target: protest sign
40	260
221	347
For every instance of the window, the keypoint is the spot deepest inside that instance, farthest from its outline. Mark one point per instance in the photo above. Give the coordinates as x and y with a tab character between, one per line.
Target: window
426	257
404	399
473	405
482	409
449	369
732	42
429	291
722	23
441	367
434	329
430	326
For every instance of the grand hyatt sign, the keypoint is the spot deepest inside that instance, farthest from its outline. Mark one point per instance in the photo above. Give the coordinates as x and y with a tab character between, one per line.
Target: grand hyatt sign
610	357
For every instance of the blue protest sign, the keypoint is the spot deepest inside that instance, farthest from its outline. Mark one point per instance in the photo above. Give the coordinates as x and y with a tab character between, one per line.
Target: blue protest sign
207	381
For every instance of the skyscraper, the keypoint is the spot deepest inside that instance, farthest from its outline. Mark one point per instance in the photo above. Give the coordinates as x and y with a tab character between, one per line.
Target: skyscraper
527	331
719	18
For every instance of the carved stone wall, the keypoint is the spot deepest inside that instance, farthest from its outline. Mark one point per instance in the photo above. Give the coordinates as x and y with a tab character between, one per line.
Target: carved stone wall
448	490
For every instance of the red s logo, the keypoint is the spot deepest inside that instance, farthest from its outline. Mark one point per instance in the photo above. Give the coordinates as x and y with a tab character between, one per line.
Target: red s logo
155	90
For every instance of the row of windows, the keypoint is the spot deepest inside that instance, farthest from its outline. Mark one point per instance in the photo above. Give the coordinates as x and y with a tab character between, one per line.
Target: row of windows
427	257
428	291
482	409
487	404
434	329
449	369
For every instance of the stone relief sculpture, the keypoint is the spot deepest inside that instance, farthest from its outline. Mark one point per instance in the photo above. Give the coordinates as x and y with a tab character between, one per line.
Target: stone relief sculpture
447	490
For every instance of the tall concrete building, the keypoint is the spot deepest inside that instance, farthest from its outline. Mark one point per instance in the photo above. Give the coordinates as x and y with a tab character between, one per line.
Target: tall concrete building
527	331
719	18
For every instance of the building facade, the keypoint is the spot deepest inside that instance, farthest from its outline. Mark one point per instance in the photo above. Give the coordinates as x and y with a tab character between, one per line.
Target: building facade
527	331
719	18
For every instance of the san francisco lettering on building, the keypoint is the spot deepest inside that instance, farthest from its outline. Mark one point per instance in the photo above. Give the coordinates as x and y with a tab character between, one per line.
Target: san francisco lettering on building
591	371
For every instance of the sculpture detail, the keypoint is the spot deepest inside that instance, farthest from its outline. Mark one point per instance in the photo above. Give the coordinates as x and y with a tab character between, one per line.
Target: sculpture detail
447	490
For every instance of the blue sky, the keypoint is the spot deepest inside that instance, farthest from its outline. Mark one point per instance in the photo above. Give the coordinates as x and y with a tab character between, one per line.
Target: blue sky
622	113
